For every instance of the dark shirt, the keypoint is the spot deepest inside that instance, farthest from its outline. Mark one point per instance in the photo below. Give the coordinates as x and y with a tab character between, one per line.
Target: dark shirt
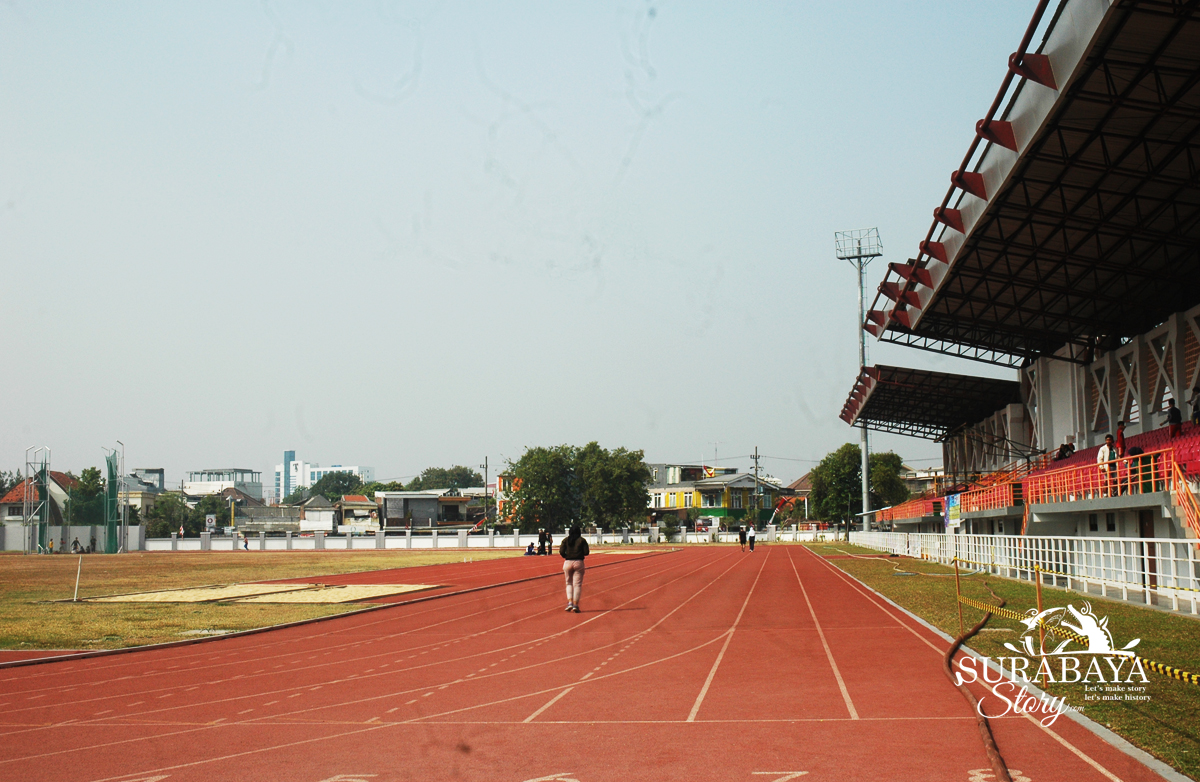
574	548
1174	416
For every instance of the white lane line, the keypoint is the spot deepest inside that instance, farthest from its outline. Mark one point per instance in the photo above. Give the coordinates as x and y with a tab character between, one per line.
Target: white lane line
555	635
828	654
547	705
717	663
1078	752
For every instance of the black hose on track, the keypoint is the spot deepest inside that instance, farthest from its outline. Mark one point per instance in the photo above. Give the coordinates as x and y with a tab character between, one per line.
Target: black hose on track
999	768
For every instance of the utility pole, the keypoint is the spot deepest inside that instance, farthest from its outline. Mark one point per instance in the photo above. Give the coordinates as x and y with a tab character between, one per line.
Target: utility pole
859	247
757	496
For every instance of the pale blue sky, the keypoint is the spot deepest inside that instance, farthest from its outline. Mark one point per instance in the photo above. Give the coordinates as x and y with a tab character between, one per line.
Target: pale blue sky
412	234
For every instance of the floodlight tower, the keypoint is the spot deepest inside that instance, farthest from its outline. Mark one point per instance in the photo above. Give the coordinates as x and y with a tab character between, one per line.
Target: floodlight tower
859	247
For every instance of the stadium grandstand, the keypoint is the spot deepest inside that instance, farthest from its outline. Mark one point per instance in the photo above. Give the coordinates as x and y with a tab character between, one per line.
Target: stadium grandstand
1066	248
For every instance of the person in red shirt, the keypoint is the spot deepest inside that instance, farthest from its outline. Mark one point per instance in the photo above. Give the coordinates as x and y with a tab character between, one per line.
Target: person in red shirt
1120	438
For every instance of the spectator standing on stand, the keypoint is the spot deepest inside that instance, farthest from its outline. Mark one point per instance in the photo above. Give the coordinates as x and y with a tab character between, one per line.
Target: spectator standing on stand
1106	459
1174	419
1196	406
1121	438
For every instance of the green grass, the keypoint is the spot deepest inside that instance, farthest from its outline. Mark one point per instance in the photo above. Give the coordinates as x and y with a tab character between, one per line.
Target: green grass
28	620
1164	726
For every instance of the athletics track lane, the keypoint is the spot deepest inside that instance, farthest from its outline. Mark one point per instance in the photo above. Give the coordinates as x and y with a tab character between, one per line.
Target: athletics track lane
503	685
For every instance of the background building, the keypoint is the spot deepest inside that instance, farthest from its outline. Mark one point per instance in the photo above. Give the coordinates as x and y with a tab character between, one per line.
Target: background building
296	474
217	479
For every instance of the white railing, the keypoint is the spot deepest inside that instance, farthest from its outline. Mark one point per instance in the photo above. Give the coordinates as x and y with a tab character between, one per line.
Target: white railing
1162	571
426	539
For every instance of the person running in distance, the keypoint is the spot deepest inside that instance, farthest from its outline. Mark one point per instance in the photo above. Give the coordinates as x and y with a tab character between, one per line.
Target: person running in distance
573	549
742	537
750	536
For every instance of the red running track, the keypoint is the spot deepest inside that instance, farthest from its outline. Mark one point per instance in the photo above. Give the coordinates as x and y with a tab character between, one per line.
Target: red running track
705	664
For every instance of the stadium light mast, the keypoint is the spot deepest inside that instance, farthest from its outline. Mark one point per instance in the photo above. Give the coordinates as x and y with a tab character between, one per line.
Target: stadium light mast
859	247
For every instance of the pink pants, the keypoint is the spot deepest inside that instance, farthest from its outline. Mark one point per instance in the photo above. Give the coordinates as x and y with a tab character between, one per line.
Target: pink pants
573	571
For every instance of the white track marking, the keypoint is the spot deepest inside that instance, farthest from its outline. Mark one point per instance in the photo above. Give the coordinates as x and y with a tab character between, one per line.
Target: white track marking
1075	750
828	653
729	637
350	778
210	725
783	776
434	664
383	726
120	661
547	705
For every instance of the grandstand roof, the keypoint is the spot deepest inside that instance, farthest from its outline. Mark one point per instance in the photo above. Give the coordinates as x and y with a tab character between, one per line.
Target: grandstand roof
1077	222
923	403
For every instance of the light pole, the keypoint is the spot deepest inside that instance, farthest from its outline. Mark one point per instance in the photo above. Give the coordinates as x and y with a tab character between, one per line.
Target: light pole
859	247
125	504
485	490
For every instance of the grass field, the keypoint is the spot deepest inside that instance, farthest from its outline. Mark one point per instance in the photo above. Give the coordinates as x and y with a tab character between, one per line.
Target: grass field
1165	725
28	620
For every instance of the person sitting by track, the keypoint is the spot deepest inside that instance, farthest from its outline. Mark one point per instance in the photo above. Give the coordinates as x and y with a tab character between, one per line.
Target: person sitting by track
529	552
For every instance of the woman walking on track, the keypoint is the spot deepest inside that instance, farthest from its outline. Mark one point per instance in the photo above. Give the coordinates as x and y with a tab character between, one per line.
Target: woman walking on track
573	550
751	536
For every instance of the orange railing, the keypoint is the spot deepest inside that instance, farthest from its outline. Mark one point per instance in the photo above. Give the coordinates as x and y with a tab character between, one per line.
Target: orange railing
1004	495
912	509
1186	500
1142	474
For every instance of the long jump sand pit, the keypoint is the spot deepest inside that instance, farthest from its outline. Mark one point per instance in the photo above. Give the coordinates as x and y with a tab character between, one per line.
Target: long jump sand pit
204	594
267	593
343	593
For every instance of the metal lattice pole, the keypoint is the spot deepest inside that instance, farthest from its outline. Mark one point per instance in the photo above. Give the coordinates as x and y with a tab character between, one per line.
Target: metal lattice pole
859	247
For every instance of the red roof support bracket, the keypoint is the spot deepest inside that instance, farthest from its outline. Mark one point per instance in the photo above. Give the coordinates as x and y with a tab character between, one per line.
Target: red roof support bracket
873	330
902	317
969	182
910	271
998	132
935	250
877	316
951	218
894	292
1035	67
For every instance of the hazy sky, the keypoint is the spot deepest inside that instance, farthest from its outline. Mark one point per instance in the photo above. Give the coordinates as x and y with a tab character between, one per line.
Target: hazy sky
411	234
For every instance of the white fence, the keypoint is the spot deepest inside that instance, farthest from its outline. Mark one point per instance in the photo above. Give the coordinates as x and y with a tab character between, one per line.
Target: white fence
1158	571
444	539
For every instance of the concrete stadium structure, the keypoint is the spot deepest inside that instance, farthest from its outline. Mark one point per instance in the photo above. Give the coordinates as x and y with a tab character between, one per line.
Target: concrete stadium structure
1067	247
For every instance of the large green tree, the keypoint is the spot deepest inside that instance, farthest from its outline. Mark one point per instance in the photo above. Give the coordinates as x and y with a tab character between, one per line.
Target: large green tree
168	513
456	477
837	483
561	485
9	480
85	500
334	484
612	485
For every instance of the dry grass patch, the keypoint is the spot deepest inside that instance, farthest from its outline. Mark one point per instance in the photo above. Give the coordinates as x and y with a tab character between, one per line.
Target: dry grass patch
27	583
